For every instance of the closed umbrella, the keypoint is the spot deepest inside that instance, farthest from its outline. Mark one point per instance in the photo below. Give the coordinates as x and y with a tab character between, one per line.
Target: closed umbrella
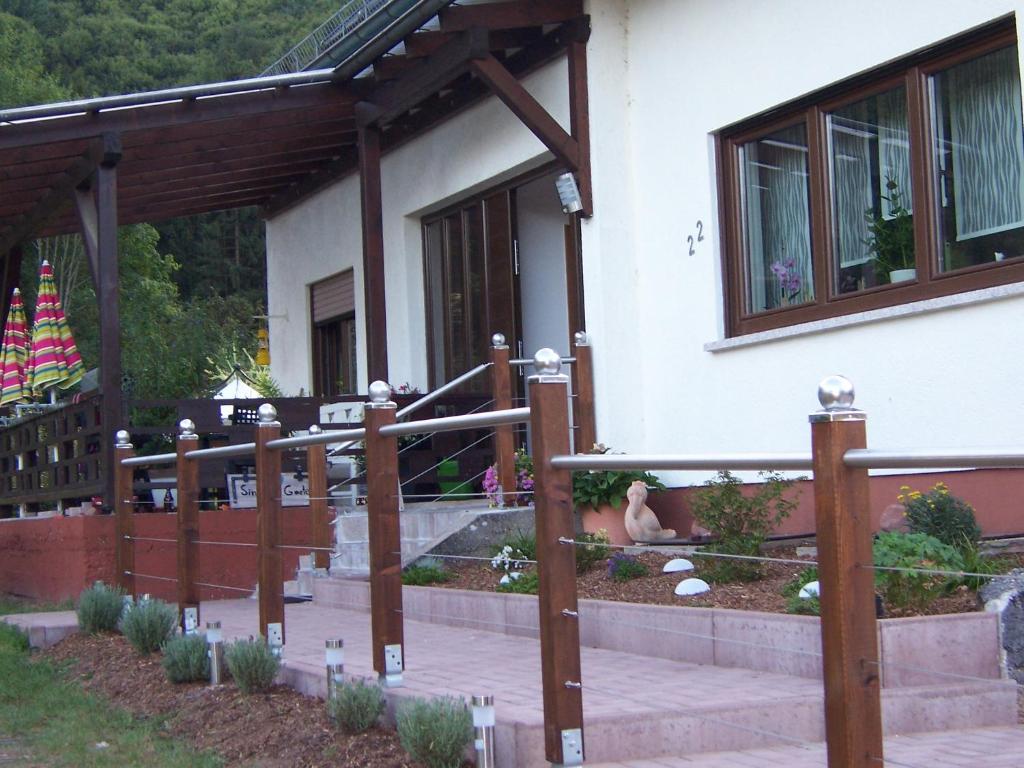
53	357
14	354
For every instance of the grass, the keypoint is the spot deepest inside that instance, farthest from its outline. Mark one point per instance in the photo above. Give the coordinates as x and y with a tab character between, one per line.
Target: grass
10	604
62	725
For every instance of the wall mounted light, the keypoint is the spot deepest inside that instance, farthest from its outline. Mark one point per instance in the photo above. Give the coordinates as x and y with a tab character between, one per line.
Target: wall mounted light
569	193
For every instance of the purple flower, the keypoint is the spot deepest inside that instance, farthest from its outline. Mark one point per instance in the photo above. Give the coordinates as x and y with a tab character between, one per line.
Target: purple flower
788	275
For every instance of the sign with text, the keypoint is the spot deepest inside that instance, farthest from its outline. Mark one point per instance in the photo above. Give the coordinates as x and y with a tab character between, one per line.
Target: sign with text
242	491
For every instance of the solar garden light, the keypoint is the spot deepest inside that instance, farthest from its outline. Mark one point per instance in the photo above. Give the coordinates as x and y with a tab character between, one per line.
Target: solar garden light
483	723
215	641
335	656
568	193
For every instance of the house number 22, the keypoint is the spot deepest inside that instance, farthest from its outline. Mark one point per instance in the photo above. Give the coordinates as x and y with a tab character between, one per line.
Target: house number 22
700	236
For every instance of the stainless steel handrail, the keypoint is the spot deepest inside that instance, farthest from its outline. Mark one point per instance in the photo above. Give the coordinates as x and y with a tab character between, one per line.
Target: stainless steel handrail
530	361
331	436
453	423
442	390
683	461
921	458
241	449
145	461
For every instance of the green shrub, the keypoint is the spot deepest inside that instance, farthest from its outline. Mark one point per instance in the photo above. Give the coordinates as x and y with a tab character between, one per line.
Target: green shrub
908	590
356	706
99	608
185	659
252	665
591	550
436	732
421	575
740	521
623	567
939	513
526	584
522	545
792	587
804	606
12	638
597	487
149	624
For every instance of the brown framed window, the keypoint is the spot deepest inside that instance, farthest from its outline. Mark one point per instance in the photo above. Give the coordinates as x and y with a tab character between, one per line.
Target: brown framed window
332	302
898	185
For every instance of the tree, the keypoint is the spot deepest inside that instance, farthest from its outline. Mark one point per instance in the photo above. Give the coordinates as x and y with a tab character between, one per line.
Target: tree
23	76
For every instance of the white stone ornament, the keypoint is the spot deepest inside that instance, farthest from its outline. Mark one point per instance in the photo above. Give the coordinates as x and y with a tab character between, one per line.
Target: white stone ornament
505	579
690	587
676	565
809	590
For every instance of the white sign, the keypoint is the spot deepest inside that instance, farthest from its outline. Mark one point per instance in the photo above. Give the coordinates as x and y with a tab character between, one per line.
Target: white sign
242	491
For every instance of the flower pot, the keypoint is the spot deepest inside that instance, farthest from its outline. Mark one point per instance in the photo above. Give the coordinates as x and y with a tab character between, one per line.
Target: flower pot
902	275
611	519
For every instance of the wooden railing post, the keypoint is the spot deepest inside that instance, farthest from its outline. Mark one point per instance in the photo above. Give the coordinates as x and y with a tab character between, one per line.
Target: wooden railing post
316	471
504	434
556	563
583	387
849	638
188	525
385	534
124	523
268	522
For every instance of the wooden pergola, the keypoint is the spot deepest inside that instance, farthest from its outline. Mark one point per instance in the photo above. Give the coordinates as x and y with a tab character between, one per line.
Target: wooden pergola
87	167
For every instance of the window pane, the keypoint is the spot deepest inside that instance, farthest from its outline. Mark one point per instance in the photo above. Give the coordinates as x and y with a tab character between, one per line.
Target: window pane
872	205
776	220
979	155
435	300
455	285
476	307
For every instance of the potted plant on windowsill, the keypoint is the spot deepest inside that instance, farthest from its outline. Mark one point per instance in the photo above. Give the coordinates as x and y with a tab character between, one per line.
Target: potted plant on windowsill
891	240
600	498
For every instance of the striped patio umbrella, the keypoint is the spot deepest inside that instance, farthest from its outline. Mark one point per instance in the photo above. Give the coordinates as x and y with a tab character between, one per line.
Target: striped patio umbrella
53	358
14	354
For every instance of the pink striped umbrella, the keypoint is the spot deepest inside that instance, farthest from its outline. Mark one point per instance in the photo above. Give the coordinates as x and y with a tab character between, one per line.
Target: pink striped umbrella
14	354
53	357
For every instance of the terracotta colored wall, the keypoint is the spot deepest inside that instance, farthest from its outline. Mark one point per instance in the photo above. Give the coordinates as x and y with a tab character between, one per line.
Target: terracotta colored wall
994	493
55	558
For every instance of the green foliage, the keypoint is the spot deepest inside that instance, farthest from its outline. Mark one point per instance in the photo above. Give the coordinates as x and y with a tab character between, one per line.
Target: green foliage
149	624
252	665
892	236
356	706
792	587
185	659
910	590
12	638
591	550
24	78
740	521
99	608
422	575
436	732
526	584
939	513
975	562
522	546
598	487
235	356
623	567
804	606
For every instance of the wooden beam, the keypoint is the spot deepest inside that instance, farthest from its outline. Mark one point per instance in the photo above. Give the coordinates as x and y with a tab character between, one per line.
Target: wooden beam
504	435
528	110
105	150
111	403
124	523
188	528
321	179
88	219
374	289
514	13
268	528
425	43
320	517
440	68
185	189
579	121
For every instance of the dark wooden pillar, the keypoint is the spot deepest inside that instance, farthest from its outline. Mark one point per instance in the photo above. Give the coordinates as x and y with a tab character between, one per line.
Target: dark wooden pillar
316	469
849	633
556	563
384	527
579	120
124	522
268	522
583	386
111	407
10	279
504	434
188	523
373	254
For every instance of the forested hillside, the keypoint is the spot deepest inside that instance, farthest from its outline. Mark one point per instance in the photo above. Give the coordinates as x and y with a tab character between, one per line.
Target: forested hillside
190	287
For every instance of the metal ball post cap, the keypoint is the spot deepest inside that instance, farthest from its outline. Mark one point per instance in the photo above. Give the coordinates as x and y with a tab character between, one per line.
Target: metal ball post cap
315	429
581	338
267	413
380	392
498	340
187	427
123	438
547	362
835	393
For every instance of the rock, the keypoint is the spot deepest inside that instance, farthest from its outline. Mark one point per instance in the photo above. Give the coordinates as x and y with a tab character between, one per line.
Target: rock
699	532
894	518
505	579
690	587
809	590
676	565
1005	596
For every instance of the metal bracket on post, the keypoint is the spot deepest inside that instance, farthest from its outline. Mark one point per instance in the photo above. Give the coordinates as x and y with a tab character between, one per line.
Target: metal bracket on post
393	666
572	746
275	638
190	620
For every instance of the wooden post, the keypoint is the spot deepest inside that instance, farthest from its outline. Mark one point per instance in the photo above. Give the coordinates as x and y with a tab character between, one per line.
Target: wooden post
387	630
188	523
111	406
268	521
849	635
124	522
583	404
504	434
374	289
556	562
316	469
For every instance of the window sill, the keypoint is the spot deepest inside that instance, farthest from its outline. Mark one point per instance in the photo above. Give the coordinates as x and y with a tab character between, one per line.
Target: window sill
912	309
